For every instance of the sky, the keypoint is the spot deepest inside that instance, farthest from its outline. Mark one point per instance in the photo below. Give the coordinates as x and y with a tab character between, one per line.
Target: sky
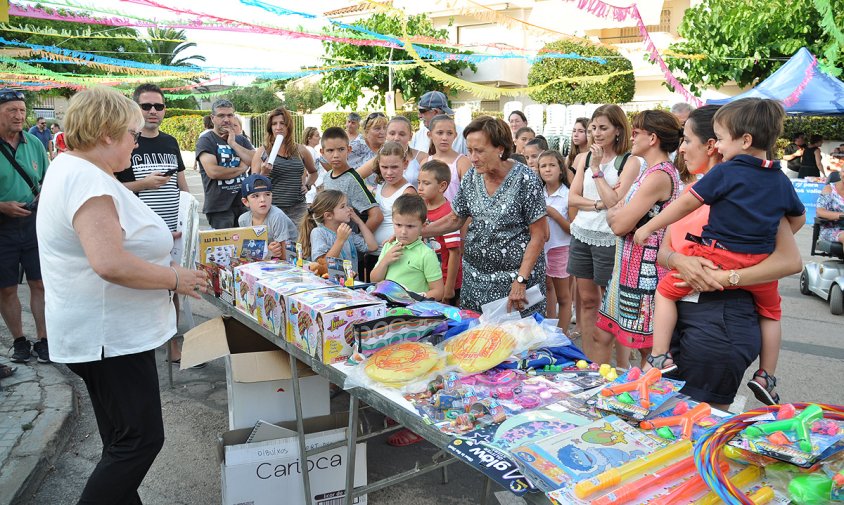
242	50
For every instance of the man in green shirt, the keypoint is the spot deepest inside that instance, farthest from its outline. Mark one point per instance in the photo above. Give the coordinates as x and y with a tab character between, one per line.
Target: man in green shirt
18	241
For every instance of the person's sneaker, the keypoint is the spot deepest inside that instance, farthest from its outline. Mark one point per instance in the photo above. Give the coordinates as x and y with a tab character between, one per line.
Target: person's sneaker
42	351
22	351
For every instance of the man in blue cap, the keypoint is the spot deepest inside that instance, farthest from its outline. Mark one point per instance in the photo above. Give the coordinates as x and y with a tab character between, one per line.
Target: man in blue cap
22	166
434	103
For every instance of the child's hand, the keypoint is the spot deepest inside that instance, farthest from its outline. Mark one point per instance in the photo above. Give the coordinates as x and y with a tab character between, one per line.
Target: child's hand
394	254
276	250
641	236
356	219
344	231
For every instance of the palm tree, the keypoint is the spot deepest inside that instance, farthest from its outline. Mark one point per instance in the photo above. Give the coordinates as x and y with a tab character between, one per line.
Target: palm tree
164	52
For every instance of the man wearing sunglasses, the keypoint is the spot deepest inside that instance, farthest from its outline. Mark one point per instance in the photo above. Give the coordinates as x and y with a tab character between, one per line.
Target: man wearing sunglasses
434	103
41	132
23	162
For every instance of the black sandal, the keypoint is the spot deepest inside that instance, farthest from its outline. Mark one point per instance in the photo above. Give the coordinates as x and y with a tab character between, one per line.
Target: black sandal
658	361
764	394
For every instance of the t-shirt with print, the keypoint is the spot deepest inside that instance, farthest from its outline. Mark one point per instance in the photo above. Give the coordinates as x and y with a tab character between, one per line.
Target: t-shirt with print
280	227
219	193
322	239
443	244
352	185
158	154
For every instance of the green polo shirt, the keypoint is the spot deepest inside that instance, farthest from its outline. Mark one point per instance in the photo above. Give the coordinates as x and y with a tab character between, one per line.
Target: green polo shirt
32	157
417	267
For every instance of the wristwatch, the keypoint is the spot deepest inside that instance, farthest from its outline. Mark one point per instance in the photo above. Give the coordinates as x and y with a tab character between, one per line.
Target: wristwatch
598	175
521	280
734	278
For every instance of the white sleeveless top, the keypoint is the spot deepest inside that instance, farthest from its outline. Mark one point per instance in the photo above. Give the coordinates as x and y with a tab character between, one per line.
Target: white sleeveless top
385	229
590	226
454	184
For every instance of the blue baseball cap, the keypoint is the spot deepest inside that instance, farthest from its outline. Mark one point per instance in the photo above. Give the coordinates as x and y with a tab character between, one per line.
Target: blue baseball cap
435	100
255	184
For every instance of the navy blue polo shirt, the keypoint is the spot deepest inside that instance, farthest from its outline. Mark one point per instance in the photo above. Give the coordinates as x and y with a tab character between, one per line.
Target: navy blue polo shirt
747	198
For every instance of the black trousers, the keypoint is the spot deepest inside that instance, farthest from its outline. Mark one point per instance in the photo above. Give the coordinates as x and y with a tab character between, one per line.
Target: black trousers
127	405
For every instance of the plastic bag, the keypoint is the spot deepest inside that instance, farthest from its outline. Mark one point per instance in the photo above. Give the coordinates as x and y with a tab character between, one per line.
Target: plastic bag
490	343
406	366
370	336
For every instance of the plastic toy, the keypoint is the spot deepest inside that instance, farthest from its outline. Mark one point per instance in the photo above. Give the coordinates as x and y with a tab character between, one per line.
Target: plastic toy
648	483
604	369
687	491
762	495
800	425
686	421
743	479
611	375
641	385
811	489
582	364
635	467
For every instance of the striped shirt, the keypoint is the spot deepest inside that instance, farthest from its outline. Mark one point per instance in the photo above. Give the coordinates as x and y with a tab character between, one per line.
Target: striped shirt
157	154
286	178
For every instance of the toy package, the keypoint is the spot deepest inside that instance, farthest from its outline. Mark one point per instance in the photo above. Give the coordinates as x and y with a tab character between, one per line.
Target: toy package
486	345
246	279
221	246
801	438
581	453
635	395
682	418
321	322
371	336
271	294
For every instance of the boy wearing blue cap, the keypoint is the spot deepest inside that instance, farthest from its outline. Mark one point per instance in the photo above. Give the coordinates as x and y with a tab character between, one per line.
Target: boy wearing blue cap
257	196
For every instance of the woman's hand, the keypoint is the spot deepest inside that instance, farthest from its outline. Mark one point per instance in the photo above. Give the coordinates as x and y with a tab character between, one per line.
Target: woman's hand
191	282
517	300
595	161
698	273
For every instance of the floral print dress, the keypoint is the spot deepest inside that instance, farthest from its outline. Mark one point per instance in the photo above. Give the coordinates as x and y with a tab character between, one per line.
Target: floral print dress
498	235
833	202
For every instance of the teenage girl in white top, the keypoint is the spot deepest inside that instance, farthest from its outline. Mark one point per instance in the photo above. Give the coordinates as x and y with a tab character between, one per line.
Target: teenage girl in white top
596	188
442	133
391	161
400	130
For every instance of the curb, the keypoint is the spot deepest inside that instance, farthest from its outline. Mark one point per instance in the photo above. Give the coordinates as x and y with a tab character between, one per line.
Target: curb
37	450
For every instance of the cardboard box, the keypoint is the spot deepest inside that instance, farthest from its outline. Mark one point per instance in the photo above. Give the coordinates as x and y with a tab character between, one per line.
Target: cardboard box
320	322
275	291
220	246
246	277
258	373
269	473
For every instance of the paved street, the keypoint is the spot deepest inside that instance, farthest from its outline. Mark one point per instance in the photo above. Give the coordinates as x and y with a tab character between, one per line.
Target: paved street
187	470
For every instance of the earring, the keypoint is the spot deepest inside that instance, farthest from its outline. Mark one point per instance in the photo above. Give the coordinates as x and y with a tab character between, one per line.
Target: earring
616	139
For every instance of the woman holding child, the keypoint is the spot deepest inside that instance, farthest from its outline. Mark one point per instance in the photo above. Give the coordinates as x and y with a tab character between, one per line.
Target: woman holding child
285	171
716	338
506	237
626	313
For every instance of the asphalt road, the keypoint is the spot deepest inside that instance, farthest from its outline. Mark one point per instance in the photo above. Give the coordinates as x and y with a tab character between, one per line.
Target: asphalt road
187	470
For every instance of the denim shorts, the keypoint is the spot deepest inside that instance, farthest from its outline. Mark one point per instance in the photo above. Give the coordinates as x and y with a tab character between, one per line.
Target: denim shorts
714	343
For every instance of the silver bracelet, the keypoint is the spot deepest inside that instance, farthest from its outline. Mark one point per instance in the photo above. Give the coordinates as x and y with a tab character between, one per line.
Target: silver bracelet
177	279
668	259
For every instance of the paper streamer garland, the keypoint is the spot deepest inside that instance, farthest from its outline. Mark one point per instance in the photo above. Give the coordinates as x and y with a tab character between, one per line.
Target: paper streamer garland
795	95
602	9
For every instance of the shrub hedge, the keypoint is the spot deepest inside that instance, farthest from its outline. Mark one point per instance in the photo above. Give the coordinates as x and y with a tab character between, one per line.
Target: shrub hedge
186	129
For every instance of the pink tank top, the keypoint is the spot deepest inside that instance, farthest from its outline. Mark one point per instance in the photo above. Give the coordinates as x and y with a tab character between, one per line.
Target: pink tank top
454	183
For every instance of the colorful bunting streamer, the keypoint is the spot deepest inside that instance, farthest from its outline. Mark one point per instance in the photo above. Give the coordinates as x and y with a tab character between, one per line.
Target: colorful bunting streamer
602	9
795	95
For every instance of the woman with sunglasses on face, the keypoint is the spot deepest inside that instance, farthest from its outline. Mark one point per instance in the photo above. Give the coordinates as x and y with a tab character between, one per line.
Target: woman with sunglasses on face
109	283
286	170
367	146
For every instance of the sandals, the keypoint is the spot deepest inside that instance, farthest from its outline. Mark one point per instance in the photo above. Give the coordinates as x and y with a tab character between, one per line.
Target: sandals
764	393
658	361
403	438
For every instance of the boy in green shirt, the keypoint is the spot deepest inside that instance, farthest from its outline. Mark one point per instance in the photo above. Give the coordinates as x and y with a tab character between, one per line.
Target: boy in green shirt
407	260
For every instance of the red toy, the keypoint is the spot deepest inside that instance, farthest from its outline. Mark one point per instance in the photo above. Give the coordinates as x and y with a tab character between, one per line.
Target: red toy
641	385
685	421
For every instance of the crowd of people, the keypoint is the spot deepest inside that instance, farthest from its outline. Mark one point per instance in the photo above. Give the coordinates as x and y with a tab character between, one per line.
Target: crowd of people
650	231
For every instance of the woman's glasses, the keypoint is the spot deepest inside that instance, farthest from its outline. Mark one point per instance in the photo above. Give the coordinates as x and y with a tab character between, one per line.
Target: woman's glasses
135	135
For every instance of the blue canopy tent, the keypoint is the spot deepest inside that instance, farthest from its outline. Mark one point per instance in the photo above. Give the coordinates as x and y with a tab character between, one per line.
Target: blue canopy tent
822	96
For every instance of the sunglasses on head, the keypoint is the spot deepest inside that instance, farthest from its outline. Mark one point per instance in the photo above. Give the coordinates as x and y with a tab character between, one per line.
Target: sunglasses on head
371	117
10	96
147	106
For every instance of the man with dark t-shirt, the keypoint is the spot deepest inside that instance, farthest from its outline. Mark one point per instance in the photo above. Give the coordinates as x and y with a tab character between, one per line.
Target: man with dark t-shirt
794	151
223	156
157	173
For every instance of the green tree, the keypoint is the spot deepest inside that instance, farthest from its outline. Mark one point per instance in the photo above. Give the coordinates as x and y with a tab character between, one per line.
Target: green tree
305	97
617	89
745	41
164	51
254	99
346	86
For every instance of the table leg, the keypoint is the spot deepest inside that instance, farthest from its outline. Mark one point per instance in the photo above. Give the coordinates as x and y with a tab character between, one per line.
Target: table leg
352	435
170	362
487	491
300	428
